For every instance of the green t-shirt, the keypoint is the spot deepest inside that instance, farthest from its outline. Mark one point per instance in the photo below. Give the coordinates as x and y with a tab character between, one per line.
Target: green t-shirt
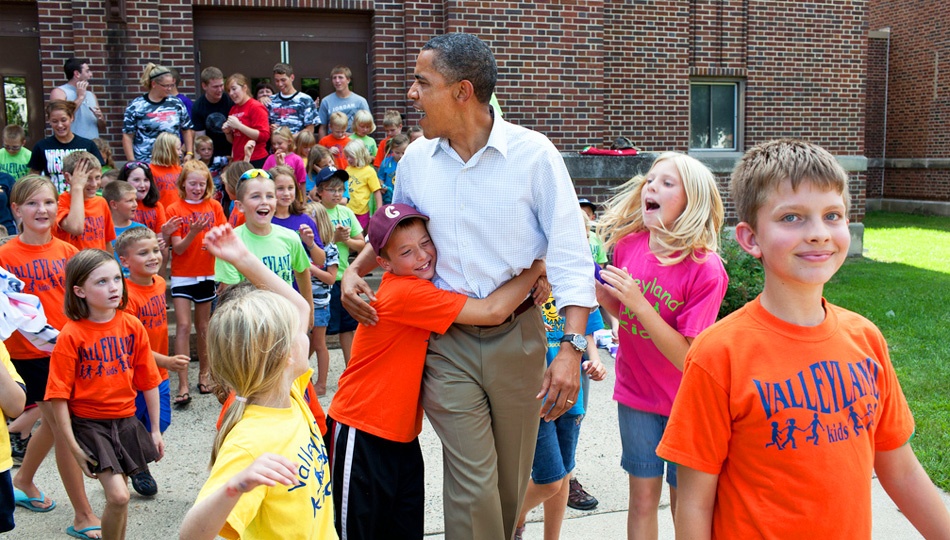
341	215
17	165
367	141
281	251
597	248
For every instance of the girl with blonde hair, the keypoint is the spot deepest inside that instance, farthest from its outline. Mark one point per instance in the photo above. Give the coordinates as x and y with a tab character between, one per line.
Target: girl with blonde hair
665	285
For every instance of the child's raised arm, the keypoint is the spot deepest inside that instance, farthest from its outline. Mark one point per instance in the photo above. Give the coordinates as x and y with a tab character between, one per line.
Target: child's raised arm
225	245
499	304
75	221
207	517
908	485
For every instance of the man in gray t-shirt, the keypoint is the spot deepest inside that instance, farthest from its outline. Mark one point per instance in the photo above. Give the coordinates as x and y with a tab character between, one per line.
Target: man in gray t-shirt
342	99
89	119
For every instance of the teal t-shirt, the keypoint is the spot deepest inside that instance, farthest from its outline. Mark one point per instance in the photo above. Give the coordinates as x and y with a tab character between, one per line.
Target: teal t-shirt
281	251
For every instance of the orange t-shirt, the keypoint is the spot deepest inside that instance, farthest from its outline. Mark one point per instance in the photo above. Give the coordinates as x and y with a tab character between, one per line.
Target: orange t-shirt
98	232
149	305
153	218
195	261
166	180
392	355
330	141
98	367
381	153
42	269
237	217
790	418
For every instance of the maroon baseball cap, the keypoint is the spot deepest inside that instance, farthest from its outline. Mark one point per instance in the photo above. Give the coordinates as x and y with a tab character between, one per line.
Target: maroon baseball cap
384	221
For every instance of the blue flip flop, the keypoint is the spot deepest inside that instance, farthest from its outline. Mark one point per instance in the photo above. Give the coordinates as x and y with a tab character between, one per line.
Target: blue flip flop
81	533
29	503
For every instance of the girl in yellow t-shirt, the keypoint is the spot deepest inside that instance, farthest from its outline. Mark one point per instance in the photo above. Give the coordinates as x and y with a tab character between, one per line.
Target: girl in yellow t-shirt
261	486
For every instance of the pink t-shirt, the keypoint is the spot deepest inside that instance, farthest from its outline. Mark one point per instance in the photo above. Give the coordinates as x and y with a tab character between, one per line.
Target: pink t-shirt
687	295
293	161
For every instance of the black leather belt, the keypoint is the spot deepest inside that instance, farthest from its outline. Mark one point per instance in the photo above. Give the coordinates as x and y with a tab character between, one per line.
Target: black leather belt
524	306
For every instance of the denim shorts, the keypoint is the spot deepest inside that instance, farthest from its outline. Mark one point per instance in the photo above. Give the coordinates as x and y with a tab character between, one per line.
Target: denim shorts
554	454
640	434
321	316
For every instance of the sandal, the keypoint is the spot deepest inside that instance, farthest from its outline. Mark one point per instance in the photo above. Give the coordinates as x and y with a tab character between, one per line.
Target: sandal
204	388
181	400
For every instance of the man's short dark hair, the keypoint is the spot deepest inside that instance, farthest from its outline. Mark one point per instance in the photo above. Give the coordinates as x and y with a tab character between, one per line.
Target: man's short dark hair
73	65
465	57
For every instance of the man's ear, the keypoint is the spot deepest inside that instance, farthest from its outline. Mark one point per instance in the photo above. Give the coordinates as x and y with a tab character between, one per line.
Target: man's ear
745	235
465	90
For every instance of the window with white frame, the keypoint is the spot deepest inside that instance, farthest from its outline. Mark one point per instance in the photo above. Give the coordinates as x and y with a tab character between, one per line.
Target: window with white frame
714	115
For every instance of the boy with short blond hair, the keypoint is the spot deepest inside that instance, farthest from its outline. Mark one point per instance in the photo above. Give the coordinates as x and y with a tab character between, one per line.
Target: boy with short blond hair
14	159
789	405
83	218
392	126
375	457
337	140
121	197
138	250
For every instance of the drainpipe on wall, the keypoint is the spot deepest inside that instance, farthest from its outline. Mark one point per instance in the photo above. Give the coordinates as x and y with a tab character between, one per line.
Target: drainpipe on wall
887	82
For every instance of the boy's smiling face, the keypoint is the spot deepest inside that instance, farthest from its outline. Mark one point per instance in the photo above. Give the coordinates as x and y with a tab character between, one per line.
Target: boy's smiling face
410	252
143	258
259	201
801	236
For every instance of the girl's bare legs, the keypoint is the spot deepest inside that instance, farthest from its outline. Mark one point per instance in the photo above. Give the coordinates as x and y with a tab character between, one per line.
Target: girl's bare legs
115	517
346	345
318	344
535	495
642	520
202	316
182	337
555	508
44	438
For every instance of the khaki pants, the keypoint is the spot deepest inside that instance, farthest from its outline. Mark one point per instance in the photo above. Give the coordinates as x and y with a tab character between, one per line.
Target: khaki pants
479	393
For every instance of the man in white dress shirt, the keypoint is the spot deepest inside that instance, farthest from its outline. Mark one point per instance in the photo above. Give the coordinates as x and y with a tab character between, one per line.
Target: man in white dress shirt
498	197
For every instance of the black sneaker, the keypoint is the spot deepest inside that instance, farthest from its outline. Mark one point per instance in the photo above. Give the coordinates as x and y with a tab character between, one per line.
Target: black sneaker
579	499
144	484
18	446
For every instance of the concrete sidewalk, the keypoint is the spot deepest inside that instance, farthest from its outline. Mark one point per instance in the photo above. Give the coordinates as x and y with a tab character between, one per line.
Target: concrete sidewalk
184	469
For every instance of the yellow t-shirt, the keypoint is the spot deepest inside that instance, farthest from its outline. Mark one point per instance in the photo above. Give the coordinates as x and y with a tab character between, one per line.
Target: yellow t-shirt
6	459
363	183
278	511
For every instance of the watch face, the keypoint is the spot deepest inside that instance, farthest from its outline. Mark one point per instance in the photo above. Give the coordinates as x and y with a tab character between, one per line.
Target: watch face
579	342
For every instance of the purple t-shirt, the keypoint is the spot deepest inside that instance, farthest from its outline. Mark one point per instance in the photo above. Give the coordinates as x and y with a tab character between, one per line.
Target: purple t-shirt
687	295
293	223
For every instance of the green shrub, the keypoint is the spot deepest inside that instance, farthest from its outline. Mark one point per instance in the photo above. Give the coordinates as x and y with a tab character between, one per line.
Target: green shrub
746	277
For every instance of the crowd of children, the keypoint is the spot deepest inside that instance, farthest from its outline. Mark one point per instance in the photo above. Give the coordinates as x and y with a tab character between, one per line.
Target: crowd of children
96	255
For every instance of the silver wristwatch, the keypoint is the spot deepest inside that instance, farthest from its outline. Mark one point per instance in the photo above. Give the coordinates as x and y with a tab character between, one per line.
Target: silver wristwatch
577	341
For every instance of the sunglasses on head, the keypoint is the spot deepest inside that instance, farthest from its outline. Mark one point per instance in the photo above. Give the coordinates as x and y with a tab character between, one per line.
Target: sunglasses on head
134	164
254	173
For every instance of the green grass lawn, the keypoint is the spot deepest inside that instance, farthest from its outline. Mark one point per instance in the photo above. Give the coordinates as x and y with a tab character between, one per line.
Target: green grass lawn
903	285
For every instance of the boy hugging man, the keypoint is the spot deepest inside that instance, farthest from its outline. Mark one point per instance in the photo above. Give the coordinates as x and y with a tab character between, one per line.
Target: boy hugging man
794	400
376	415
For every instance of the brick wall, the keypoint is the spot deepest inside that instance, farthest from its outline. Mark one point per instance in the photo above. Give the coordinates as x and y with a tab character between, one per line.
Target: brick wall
580	72
918	105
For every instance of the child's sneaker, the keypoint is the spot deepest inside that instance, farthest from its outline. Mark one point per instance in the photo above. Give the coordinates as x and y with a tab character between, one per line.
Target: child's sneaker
144	484
579	499
18	446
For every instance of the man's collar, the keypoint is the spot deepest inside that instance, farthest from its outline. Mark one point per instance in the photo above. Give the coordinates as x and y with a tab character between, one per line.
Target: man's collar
497	139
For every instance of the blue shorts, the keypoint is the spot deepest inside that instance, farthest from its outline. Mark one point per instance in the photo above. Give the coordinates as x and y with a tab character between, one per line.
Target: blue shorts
165	408
640	434
321	316
340	319
554	454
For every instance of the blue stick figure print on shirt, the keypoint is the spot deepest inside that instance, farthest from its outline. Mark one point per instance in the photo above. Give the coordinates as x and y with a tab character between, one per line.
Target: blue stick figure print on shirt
814	426
855	420
776	437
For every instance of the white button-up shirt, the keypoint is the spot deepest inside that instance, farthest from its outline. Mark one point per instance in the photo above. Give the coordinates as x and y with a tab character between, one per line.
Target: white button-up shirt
491	217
